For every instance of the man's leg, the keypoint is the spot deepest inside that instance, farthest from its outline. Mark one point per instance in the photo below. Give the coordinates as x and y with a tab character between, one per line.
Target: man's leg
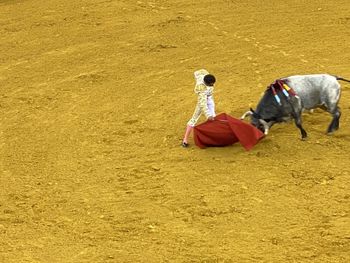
192	122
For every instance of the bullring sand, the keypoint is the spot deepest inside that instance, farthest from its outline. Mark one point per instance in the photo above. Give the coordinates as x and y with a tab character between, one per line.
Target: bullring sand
94	99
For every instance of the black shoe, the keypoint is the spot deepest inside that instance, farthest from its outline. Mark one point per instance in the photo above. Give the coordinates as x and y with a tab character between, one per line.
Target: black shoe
184	144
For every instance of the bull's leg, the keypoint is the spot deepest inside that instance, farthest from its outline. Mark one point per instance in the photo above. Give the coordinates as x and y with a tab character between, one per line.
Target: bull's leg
335	121
331	103
297	120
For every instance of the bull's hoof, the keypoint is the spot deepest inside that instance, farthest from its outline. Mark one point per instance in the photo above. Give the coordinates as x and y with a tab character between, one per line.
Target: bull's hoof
330	132
304	138
332	129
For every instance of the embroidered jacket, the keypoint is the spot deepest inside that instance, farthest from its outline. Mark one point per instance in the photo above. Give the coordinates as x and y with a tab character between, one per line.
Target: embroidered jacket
205	102
203	93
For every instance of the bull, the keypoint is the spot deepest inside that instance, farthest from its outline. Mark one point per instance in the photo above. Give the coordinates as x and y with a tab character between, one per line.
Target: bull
310	92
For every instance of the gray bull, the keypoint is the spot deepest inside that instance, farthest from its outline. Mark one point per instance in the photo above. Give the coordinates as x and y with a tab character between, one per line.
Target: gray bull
312	91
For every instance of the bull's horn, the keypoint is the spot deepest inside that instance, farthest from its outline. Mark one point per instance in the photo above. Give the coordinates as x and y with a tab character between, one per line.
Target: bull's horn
266	126
248	113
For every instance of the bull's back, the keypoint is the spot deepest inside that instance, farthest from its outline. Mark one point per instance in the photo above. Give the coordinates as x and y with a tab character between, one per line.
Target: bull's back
315	90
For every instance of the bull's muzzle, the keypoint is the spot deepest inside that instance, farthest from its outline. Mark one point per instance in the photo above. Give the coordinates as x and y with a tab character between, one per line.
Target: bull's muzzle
265	125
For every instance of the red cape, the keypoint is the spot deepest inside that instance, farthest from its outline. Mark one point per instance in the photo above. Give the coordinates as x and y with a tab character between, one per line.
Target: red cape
226	130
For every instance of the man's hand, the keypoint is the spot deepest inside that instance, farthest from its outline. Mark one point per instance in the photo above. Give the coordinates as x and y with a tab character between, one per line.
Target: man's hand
210	118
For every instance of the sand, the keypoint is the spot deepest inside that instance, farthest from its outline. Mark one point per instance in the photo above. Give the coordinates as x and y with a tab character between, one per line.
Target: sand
94	99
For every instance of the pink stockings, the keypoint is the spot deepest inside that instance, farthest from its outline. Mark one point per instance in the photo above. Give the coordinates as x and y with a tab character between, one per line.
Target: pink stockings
187	133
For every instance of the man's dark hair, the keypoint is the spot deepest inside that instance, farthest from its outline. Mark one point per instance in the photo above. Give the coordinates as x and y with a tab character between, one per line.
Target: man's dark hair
209	79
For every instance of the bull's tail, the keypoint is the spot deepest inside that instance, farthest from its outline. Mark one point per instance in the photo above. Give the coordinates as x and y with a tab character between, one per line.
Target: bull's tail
340	78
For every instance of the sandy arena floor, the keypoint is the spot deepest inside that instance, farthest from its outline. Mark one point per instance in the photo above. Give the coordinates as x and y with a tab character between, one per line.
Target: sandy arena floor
94	99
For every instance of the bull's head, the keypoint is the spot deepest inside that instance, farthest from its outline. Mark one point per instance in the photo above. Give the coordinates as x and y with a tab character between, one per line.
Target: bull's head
257	121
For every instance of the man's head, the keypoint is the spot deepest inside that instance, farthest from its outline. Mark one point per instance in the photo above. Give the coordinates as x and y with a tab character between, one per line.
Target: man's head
209	80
